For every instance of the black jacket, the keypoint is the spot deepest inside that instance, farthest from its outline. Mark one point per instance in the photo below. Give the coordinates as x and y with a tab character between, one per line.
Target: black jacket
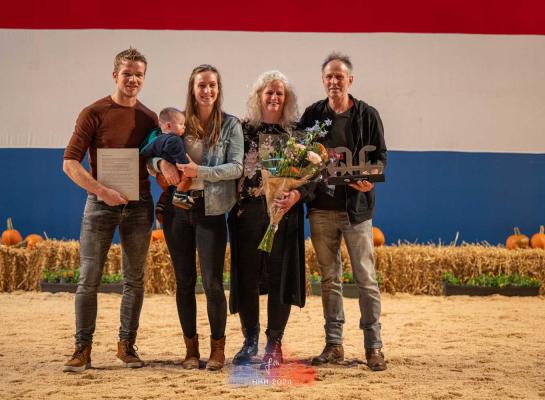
367	129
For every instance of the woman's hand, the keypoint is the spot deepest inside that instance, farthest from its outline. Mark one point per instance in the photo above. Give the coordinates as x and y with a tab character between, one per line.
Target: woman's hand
170	172
190	170
362	186
287	202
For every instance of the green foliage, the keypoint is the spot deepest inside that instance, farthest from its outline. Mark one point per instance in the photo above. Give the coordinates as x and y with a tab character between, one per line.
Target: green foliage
114	278
490	280
292	160
268	239
315	278
226	278
72	276
450	279
346	277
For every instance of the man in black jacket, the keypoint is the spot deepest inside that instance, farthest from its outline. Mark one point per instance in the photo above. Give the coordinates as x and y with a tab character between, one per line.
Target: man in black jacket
346	211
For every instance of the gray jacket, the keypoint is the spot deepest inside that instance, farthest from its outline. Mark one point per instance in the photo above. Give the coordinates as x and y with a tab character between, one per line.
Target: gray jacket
220	168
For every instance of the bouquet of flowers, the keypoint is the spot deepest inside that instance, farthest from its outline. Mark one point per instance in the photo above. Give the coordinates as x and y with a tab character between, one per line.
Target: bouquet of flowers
300	159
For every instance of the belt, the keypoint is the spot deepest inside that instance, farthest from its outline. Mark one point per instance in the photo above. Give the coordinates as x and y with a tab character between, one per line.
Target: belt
196	193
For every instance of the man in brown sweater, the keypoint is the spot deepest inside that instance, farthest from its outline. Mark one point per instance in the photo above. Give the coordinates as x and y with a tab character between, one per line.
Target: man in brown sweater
116	121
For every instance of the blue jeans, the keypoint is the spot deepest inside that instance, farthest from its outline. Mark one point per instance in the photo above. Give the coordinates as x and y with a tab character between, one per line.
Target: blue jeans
97	230
327	227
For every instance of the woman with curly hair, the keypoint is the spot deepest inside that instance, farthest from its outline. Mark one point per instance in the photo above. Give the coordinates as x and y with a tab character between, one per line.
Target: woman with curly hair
272	113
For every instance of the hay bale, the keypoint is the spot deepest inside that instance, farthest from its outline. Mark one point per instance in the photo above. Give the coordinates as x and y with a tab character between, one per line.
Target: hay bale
159	276
408	268
56	254
13	268
160	272
418	269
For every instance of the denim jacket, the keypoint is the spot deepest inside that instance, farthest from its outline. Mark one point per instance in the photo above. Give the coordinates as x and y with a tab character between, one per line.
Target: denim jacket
220	168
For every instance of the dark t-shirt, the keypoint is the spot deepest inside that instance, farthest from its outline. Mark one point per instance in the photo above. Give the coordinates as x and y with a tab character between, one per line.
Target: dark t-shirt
106	124
335	199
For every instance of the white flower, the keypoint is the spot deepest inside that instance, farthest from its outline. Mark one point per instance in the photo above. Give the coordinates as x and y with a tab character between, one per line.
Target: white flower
328	122
314	158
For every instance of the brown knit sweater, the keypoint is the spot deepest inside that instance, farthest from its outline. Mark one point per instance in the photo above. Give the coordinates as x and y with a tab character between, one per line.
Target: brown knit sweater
106	124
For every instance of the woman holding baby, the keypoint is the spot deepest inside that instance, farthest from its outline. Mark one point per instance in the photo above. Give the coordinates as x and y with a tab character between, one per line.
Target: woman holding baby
214	144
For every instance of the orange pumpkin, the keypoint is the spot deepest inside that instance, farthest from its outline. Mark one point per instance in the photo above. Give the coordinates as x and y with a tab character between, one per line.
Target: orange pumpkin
32	239
157	234
378	237
538	239
517	241
11	237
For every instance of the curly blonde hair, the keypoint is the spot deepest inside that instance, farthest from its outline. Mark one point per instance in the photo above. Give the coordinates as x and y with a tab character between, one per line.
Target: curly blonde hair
290	112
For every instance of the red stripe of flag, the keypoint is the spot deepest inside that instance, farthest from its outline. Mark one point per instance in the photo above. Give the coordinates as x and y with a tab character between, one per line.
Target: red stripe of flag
417	16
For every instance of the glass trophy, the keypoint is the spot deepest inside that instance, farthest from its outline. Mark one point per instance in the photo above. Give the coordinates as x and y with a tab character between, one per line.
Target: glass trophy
342	171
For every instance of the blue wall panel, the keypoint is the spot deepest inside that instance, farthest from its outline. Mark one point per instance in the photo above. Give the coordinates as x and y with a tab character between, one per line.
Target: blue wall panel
428	195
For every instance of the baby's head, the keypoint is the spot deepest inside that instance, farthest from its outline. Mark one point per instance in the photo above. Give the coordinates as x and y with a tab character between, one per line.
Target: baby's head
172	120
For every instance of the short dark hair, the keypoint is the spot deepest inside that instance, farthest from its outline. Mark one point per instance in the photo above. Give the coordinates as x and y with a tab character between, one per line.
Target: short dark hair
336	56
131	54
167	114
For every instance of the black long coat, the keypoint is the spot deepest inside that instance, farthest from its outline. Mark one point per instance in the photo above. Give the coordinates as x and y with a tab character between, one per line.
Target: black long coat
289	247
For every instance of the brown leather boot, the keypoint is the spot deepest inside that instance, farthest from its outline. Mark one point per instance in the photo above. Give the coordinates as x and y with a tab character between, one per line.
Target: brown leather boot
126	352
332	353
217	354
192	355
80	360
375	359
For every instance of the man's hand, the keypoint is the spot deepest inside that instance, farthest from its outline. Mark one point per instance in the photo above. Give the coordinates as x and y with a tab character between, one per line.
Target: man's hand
362	186
190	170
112	197
83	179
287	202
170	172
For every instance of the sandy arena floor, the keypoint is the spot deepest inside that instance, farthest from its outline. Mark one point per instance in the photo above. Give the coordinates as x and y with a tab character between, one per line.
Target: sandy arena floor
436	347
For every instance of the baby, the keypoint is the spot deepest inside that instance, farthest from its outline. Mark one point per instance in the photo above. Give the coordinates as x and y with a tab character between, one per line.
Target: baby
166	142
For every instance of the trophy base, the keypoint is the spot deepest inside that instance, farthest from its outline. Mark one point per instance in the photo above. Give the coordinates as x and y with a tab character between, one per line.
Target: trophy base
348	179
